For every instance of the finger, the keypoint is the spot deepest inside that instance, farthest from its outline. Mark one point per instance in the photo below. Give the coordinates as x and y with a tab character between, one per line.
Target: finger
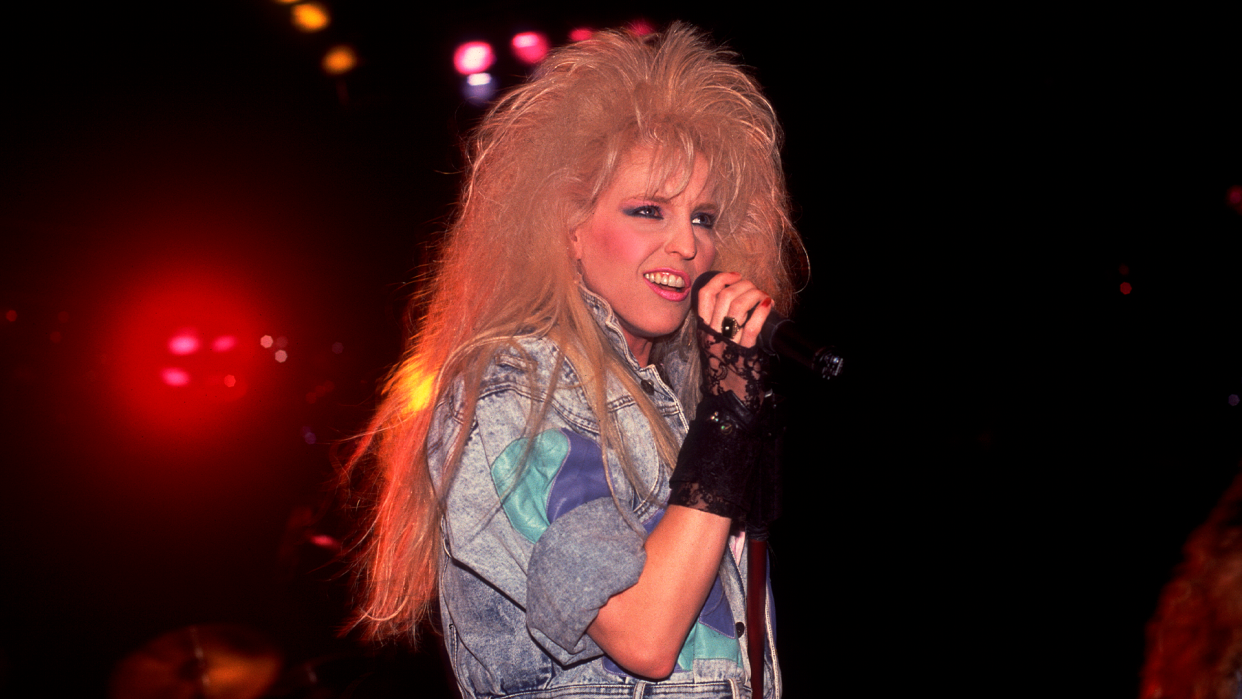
727	302
754	326
744	307
707	295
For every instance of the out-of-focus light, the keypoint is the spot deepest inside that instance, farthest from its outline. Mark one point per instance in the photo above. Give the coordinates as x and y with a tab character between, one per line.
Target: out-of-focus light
308	434
11	316
641	27
1233	399
183	343
312	397
337	348
55	336
580	34
1126	288
310	16
417	384
265	341
530	47
175	377
63	316
1234	195
339	60
479	88
473	57
224	343
230	381
324	541
285	2
282	342
281	356
1123	269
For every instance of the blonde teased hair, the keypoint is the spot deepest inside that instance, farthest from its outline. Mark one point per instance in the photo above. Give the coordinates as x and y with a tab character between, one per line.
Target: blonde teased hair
537	164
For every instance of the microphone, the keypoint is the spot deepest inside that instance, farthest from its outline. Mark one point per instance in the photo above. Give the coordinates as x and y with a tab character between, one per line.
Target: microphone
780	336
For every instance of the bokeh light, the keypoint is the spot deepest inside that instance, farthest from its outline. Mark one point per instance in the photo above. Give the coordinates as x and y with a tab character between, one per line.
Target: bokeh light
175	361
337	348
580	34
265	341
183	343
281	356
339	60
11	316
530	47
473	57
641	27
1126	288
174	376
479	88
310	16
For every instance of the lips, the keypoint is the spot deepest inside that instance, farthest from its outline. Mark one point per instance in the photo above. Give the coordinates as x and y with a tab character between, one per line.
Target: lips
669	284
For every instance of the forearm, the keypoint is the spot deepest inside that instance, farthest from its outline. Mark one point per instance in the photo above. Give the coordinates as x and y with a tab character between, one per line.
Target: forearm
643	628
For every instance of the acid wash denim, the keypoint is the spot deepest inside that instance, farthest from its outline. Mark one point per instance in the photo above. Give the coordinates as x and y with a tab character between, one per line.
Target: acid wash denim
539	534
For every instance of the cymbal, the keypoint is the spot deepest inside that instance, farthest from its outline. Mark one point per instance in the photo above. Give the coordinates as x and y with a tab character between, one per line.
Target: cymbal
203	661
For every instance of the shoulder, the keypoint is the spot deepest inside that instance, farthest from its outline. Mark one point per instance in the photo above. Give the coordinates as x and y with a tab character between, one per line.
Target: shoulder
531	373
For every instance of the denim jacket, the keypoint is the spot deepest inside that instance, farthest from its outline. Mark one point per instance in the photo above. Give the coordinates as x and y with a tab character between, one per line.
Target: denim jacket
539	534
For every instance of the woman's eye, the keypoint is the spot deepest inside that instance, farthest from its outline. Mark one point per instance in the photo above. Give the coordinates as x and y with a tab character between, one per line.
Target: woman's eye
645	211
704	219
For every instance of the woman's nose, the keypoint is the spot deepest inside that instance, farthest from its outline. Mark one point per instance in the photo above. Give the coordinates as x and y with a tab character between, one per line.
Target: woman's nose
681	241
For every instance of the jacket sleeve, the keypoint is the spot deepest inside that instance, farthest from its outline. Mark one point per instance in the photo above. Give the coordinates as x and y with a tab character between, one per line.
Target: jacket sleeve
535	517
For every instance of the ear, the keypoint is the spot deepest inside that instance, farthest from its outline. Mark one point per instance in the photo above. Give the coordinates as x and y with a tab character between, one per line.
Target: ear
575	245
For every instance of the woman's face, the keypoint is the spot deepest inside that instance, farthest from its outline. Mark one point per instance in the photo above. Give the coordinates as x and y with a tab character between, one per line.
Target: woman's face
642	250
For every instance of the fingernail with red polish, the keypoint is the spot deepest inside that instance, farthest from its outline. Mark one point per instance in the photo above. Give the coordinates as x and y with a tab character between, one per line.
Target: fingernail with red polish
766	302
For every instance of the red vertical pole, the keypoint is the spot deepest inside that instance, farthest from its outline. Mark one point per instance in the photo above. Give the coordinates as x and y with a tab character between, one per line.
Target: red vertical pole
756	608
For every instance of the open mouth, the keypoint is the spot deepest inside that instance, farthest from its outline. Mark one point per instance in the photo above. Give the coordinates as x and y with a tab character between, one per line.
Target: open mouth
666	280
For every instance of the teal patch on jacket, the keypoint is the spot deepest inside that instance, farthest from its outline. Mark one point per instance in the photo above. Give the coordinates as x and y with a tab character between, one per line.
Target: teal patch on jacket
523	489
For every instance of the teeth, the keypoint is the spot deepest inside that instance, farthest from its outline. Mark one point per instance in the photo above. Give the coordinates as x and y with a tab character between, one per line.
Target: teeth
665	279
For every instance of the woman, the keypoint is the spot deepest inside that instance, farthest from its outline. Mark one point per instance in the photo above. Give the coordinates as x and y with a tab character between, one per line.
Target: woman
532	472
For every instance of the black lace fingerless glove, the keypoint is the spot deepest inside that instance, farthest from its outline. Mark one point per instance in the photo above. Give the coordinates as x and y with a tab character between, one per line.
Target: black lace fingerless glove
716	468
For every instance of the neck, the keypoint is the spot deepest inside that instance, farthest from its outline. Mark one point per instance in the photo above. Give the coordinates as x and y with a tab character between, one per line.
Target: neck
640	347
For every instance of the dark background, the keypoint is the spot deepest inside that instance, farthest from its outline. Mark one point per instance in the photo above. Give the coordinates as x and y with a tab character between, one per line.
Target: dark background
990	498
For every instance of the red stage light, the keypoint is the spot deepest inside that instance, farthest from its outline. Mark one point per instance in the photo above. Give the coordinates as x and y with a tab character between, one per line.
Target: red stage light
183	343
580	34
473	57
641	27
530	47
11	316
1125	287
165	383
175	377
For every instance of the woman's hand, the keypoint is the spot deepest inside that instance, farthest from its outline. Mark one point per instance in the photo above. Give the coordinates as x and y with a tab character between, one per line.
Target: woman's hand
733	309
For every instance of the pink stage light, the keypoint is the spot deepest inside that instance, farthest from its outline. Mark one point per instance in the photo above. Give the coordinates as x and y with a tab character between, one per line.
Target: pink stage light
473	57
224	343
183	343
530	47
580	34
175	377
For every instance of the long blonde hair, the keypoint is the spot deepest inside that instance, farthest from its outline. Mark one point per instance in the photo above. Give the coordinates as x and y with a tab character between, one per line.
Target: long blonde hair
537	164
